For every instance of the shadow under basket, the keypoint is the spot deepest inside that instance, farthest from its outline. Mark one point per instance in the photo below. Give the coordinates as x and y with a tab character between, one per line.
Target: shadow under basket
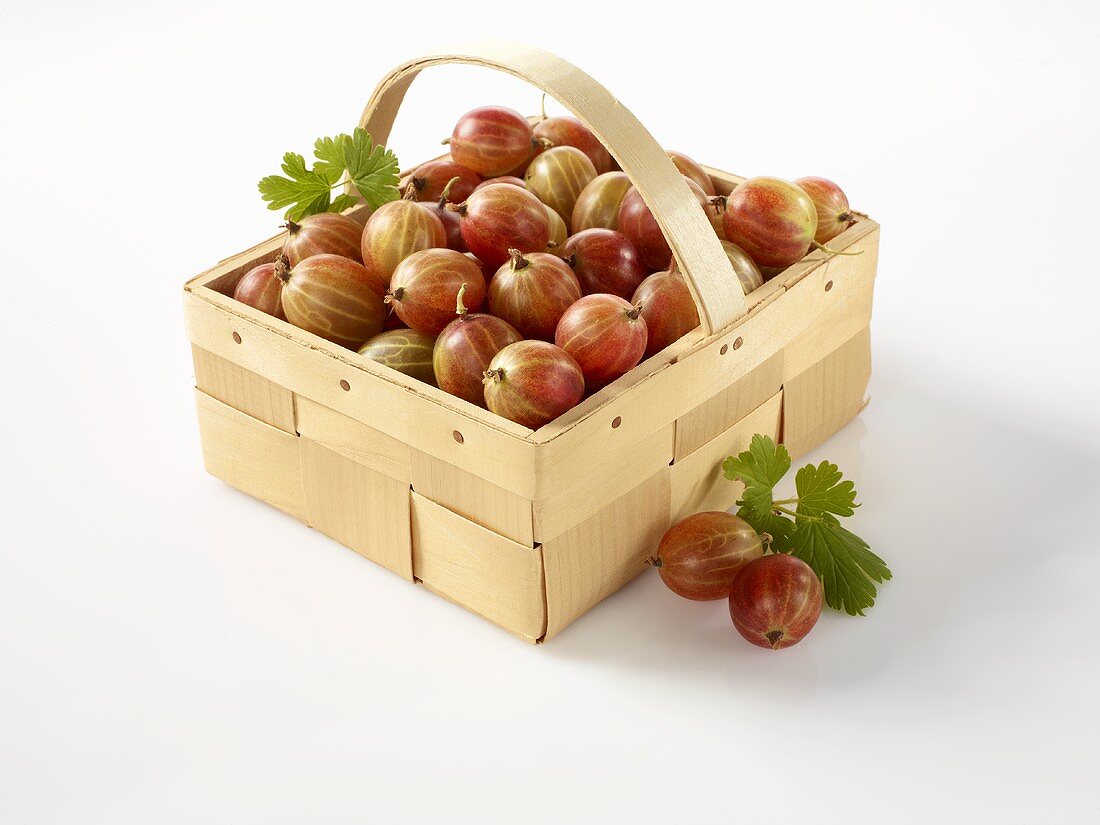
531	529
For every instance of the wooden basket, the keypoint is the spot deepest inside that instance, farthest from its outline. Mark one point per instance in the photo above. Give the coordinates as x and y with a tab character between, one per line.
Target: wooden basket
530	529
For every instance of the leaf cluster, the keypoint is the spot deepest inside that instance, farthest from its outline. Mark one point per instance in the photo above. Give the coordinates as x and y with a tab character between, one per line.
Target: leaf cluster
812	530
373	170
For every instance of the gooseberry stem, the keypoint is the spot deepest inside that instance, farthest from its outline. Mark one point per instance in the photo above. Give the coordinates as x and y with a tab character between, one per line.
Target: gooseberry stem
824	248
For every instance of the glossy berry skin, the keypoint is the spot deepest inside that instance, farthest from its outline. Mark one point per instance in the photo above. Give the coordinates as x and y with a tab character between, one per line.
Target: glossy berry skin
748	273
638	224
833	213
430	179
512	179
404	350
559	233
492	140
605	261
326	232
605	334
333	297
452	227
699	556
668	309
261	289
597	206
464	350
487	271
532	383
424	288
568	131
532	292
775	601
773	220
502	217
690	169
393	233
558	176
451	220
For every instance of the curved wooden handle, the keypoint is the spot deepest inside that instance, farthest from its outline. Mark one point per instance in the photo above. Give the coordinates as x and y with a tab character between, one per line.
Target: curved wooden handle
694	244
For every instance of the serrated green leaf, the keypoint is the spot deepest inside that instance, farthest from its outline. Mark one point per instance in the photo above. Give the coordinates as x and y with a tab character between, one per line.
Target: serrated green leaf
310	207
760	467
302	186
329	152
764	462
373	169
821	490
343	202
842	560
776	525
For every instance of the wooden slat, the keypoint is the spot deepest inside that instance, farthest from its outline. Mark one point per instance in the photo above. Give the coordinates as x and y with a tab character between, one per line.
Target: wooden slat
828	395
359	507
600	483
355	440
589	562
493	576
842	319
722	411
481	501
244	390
492	447
697	480
250	455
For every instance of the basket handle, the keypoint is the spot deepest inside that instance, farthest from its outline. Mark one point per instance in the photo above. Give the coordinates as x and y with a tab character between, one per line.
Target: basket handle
696	248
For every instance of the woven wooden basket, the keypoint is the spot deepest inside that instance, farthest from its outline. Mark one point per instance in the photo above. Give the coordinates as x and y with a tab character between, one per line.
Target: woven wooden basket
530	529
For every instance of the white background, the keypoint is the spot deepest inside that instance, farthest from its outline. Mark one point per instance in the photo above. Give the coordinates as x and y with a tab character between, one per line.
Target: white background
172	651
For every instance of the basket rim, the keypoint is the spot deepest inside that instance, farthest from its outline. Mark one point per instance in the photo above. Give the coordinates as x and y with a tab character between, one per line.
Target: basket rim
202	287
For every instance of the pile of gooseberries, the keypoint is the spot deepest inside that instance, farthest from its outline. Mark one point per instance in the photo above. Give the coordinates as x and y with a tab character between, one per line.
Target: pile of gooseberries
523	271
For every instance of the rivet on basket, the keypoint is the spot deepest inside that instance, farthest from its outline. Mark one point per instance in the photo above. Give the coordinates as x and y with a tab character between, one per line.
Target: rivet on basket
458	437
737	344
237	337
724	350
828	286
616	422
344	385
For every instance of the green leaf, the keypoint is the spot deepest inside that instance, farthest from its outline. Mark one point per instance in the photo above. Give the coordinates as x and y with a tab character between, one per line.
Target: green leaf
373	169
842	560
301	186
311	207
776	525
329	152
342	203
760	467
821	490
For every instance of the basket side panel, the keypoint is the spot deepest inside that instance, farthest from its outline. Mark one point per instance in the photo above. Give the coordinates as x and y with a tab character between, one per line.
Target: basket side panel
484	572
478	500
590	561
359	507
354	440
825	397
250	455
697	480
244	390
609	476
718	414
